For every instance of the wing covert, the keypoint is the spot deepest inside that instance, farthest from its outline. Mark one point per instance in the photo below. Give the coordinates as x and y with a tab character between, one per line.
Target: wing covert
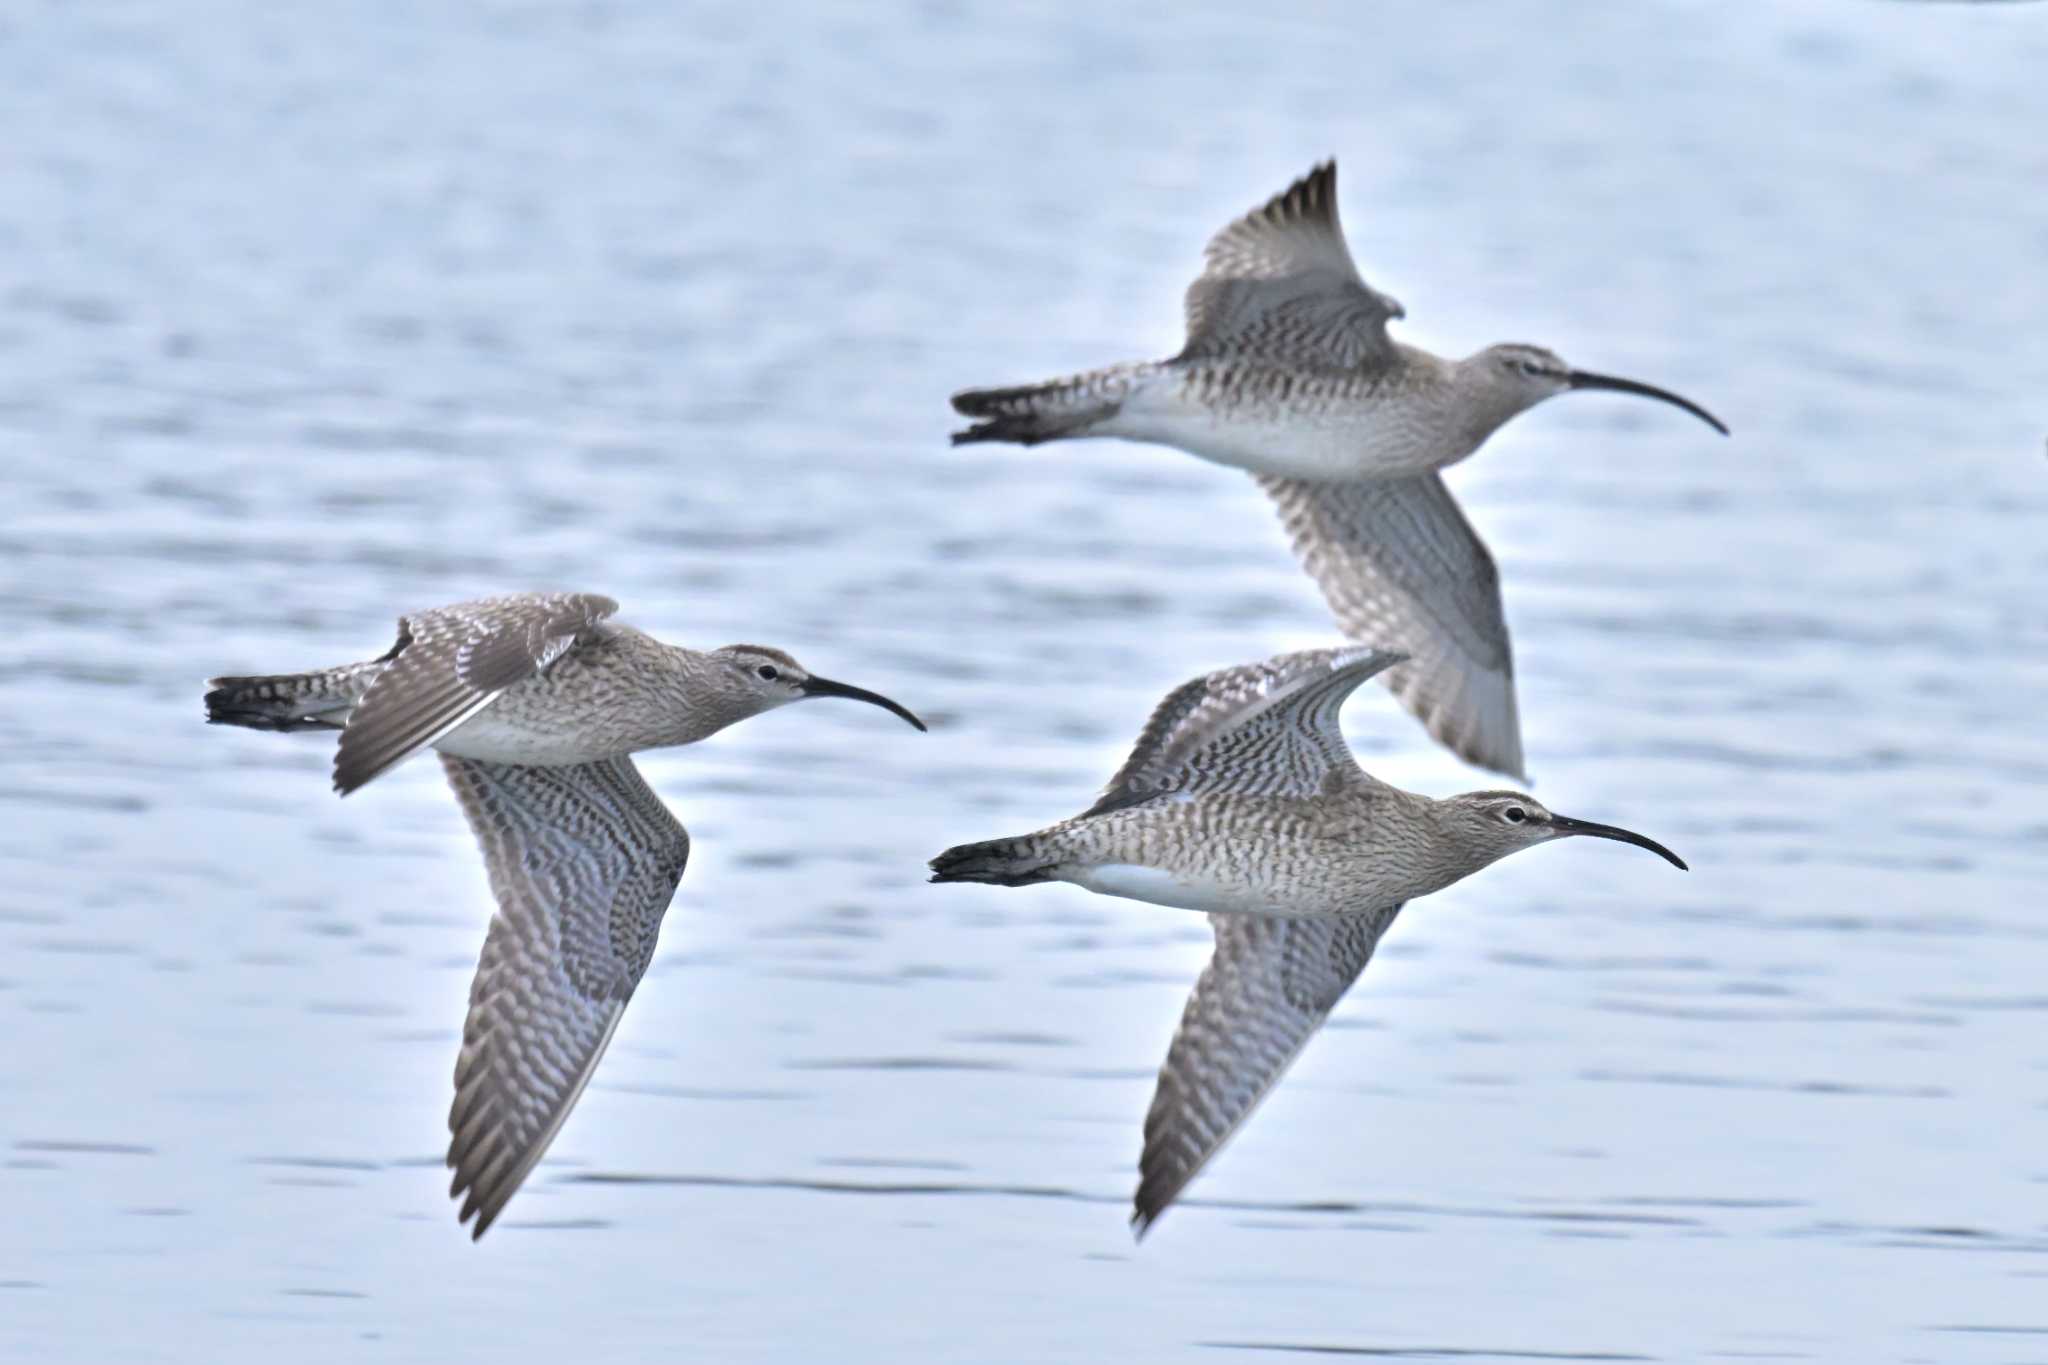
449	664
1262	728
1279	285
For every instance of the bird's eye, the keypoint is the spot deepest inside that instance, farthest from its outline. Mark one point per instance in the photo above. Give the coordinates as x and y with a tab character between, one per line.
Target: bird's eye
1529	367
1514	815
767	672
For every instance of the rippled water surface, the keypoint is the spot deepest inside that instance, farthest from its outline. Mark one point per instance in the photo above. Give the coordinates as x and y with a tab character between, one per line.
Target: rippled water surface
310	315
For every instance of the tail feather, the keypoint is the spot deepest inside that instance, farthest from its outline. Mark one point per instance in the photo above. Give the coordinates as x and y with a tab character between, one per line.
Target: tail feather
996	862
1033	413
288	701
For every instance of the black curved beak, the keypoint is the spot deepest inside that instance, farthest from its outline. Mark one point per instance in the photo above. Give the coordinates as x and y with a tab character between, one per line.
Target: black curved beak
1586	379
1567	825
825	687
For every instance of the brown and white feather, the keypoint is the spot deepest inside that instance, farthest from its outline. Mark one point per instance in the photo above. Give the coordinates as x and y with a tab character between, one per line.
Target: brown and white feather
1268	987
1280	287
449	664
1402	568
583	861
1263	729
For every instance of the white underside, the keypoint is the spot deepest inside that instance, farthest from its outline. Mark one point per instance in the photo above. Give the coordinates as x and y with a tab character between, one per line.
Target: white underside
488	738
1333	444
1135	882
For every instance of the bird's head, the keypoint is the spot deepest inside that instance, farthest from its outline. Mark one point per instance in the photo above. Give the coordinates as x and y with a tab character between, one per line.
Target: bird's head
1487	826
760	679
1514	377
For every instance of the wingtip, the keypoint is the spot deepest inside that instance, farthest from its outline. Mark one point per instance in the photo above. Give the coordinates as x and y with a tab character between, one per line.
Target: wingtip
1319	172
1320	181
349	775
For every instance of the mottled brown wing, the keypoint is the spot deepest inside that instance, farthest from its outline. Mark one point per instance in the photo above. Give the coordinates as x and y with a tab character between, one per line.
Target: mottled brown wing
1279	285
1268	728
1266	990
449	664
583	861
1402	568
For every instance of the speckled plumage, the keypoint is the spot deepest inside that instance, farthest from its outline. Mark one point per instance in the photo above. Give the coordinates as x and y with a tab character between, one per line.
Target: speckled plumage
1287	368
1241	799
583	860
535	702
1396	560
1288	372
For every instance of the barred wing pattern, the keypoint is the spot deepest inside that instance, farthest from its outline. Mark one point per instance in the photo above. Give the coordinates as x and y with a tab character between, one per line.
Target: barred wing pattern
1268	987
1268	729
449	664
1280	286
583	861
1401	567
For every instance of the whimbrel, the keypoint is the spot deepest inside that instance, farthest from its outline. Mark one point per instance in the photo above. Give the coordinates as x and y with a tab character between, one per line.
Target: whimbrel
1288	372
535	703
1242	800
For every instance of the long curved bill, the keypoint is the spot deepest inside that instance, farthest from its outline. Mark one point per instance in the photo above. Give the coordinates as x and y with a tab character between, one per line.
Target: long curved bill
1586	379
825	687
1567	825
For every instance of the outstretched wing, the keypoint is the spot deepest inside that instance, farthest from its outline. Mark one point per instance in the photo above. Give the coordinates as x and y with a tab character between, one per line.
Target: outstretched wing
583	861
1279	285
449	664
1267	728
1266	990
1401	567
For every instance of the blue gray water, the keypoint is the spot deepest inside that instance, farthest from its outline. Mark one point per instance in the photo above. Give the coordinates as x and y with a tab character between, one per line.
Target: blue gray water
310	315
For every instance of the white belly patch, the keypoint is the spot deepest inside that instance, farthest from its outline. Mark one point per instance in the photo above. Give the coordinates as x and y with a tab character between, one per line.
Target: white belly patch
1135	882
490	739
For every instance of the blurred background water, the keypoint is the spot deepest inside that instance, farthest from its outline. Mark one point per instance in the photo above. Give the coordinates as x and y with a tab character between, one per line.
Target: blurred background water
310	315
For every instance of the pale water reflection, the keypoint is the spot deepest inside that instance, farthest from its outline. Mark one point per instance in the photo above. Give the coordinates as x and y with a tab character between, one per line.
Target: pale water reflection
308	317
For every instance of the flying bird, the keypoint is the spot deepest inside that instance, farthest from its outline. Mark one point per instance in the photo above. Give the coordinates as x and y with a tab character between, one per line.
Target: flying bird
1289	373
1242	800
535	703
